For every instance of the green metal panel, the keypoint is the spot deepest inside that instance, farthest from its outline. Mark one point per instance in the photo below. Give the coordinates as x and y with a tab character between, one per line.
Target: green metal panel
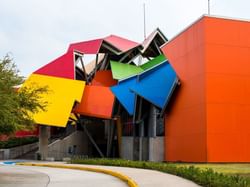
157	60
121	71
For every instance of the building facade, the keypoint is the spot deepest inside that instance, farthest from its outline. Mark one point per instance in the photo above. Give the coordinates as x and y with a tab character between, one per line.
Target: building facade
209	118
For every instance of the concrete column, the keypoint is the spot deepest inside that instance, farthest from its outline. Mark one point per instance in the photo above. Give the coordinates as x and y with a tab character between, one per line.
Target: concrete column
152	121
156	149
119	134
44	132
110	137
152	132
141	131
127	148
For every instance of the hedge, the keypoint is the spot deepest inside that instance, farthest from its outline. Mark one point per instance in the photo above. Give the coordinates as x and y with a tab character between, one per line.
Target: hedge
206	178
14	142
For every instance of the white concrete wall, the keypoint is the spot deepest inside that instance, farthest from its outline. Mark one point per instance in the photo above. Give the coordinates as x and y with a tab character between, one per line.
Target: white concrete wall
60	148
17	151
152	148
127	147
156	149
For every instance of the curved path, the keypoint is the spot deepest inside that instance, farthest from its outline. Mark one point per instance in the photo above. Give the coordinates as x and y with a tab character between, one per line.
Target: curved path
32	176
149	178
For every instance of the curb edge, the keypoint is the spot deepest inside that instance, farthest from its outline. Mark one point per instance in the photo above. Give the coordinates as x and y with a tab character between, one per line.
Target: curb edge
118	175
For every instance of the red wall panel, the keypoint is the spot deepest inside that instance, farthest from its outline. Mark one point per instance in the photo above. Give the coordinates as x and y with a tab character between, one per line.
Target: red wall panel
63	66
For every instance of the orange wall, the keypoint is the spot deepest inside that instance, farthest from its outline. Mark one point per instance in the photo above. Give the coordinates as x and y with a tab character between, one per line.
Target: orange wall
210	117
185	129
228	90
97	101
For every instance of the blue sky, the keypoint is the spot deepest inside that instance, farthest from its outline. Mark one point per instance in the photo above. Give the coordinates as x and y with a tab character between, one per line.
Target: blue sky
35	32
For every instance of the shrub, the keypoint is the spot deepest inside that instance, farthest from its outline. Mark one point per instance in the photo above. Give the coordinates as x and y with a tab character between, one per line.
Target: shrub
206	178
14	142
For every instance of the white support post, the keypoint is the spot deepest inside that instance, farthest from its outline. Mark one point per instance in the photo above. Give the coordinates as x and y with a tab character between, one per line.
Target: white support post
43	141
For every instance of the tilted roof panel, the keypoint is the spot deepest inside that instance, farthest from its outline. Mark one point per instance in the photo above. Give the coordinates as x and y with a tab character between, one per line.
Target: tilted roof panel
124	95
103	78
97	101
61	96
87	47
121	43
122	71
150	64
157	84
63	66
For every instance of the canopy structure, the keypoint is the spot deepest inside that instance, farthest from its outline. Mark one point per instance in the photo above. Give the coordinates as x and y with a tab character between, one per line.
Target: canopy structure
97	101
103	78
61	96
121	43
151	45
122	71
154	81
110	44
124	95
63	66
90	67
86	47
106	70
157	84
119	82
155	61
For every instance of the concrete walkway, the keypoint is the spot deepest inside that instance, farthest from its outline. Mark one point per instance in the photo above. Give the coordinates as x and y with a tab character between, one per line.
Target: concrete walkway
55	177
33	176
149	178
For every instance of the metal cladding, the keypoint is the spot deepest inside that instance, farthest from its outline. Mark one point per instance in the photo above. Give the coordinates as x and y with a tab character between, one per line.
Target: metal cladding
122	71
155	61
63	66
103	78
209	120
97	101
87	47
157	84
110	43
113	61
123	93
60	98
120	43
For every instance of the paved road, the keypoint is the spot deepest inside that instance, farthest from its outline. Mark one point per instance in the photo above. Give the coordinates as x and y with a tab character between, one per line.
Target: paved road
25	176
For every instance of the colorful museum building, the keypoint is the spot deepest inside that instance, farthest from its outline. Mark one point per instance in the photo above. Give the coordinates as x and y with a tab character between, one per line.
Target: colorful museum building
184	100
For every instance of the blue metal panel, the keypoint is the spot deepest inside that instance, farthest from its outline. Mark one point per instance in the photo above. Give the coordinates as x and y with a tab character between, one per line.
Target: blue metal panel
157	84
124	95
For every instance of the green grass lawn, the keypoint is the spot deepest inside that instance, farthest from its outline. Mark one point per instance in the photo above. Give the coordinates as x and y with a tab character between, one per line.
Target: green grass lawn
230	169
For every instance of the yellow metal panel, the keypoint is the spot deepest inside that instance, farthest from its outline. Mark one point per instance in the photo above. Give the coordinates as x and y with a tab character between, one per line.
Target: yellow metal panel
73	118
62	93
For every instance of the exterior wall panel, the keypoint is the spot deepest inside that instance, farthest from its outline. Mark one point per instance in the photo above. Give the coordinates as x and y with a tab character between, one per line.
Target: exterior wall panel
209	118
227	90
185	127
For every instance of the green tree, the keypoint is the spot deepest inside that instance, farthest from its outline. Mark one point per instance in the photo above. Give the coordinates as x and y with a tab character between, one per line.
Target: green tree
17	106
